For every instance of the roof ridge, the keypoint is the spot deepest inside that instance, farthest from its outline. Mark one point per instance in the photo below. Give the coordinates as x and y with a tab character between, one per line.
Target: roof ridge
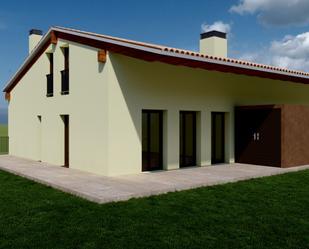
189	52
160	53
146	44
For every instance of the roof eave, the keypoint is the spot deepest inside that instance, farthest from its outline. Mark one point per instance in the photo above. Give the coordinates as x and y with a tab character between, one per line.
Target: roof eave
119	46
39	46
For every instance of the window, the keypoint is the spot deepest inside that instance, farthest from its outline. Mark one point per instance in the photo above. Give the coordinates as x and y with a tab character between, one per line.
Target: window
65	73
152	140
50	76
217	137
187	138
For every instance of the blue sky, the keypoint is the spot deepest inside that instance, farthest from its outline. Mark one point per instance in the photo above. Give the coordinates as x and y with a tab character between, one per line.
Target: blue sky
258	29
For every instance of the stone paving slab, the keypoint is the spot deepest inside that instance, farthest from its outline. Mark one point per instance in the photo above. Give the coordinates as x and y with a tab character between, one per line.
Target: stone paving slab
102	189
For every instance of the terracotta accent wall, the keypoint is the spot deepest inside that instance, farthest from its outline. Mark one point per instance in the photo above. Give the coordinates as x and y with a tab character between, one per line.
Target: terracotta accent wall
295	135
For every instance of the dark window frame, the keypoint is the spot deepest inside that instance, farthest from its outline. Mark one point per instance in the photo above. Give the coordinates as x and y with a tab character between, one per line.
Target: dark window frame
65	90
148	113
214	160
65	81
182	123
50	76
66	125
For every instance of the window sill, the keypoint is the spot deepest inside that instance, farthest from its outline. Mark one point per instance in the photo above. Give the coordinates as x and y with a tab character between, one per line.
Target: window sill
65	93
49	95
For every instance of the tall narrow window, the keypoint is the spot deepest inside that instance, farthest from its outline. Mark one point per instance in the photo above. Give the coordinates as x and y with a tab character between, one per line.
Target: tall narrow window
50	76
65	73
217	137
152	140
187	139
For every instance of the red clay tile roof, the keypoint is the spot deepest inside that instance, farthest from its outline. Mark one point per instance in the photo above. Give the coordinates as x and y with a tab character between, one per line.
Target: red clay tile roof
152	52
188	52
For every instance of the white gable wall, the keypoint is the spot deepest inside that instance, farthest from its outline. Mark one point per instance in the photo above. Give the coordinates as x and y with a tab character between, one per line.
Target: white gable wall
86	104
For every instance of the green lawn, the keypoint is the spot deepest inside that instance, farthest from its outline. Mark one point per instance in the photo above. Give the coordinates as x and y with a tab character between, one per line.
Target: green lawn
267	213
3	130
4	142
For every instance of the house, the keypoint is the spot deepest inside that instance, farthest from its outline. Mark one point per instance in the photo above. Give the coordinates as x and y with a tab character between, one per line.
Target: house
113	106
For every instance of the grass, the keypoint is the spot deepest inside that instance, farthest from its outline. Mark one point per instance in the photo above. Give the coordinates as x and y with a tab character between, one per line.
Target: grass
267	213
3	130
4	143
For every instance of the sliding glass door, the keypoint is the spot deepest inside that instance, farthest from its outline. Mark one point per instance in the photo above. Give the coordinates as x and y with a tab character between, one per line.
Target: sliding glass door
187	139
217	137
152	140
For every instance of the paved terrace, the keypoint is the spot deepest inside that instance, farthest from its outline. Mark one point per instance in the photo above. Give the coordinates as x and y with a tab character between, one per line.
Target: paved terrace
102	189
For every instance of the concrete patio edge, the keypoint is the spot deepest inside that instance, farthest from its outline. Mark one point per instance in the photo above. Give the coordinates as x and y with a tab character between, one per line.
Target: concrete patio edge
100	189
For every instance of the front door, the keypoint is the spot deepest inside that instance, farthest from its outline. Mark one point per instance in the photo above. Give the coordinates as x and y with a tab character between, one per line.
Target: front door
152	140
66	140
258	136
217	137
187	139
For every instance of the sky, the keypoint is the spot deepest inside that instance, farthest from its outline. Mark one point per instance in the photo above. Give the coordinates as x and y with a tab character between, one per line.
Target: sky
273	32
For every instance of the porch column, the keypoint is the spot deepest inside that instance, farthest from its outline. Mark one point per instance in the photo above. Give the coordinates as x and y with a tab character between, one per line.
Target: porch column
207	131
171	139
202	137
229	137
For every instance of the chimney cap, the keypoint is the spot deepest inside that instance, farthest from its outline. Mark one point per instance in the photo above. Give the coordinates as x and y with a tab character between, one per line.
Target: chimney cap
213	33
35	32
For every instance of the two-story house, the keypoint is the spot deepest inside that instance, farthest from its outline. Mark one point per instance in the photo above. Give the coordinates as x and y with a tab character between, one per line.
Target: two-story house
113	106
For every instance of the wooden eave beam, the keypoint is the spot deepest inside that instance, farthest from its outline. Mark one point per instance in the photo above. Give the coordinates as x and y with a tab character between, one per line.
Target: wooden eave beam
8	96
148	56
102	55
53	38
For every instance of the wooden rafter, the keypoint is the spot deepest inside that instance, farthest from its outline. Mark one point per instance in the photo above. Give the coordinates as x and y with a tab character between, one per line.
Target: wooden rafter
53	38
8	96
102	55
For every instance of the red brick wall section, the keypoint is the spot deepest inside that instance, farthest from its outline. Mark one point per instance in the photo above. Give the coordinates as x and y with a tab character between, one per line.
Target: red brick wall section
295	135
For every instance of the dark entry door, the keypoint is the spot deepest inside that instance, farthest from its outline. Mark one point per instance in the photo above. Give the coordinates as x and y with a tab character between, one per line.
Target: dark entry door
66	140
152	140
258	136
187	139
217	137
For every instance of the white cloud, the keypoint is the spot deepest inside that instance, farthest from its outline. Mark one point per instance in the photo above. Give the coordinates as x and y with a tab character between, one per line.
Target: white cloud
216	26
292	46
291	52
252	6
275	12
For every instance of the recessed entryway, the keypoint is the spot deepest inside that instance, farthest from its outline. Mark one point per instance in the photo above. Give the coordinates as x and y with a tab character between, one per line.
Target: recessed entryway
66	123
187	139
258	135
152	140
39	129
217	137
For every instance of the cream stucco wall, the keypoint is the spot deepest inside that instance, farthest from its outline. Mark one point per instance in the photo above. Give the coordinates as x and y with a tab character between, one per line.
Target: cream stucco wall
86	105
136	85
105	106
34	39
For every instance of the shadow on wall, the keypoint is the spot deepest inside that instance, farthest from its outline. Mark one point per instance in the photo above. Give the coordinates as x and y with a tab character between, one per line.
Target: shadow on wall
157	86
101	67
126	79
